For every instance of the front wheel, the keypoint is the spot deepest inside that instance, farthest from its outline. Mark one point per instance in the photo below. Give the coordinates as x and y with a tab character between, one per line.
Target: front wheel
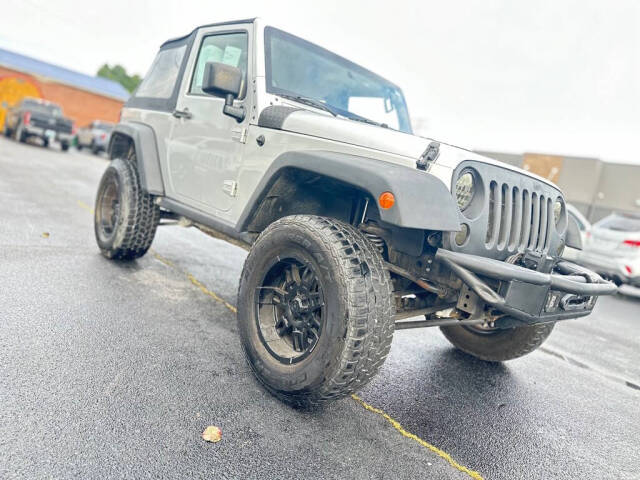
497	345
315	309
126	217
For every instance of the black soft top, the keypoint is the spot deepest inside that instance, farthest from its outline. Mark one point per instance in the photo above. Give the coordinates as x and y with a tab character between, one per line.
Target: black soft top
183	38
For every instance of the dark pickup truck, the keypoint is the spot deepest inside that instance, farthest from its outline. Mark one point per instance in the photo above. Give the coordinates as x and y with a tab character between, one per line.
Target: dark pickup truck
33	117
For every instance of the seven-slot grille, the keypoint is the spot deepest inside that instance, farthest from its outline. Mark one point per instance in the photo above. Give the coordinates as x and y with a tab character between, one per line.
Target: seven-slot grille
518	219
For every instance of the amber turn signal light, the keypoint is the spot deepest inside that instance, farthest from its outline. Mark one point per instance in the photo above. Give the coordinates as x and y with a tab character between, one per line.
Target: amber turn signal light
386	200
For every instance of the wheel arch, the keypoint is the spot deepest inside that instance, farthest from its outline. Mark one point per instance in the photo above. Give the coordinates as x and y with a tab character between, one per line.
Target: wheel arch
298	182
143	140
294	191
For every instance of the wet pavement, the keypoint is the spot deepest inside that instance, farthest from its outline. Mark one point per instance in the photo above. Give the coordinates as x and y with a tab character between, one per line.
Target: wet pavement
113	370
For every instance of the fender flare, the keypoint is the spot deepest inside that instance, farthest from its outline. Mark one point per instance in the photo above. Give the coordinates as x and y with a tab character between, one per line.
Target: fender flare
422	200
148	159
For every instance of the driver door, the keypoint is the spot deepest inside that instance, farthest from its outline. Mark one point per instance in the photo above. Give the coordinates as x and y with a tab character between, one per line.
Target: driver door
205	146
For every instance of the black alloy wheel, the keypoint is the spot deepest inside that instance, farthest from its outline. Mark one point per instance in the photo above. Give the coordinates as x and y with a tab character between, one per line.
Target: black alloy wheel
108	207
290	310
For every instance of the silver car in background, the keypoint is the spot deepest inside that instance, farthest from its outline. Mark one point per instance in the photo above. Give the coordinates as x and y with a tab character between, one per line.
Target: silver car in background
95	136
613	249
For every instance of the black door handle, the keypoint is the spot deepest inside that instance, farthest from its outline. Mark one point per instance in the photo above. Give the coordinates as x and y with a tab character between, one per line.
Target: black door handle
182	113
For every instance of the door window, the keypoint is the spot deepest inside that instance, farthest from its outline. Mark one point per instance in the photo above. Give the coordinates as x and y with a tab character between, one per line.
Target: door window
228	48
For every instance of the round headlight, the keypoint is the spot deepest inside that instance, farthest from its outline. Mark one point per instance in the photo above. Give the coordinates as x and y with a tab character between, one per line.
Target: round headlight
464	190
557	210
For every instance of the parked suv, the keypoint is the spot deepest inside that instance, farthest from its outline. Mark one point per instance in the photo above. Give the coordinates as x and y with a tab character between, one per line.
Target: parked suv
352	223
94	136
33	117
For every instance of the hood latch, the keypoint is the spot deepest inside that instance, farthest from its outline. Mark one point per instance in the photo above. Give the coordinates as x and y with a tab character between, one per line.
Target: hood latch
429	156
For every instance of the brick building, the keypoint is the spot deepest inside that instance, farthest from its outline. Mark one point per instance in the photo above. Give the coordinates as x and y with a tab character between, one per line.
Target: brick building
594	186
83	98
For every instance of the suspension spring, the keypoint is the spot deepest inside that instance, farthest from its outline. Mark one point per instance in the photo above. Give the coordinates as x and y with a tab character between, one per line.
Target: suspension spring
376	240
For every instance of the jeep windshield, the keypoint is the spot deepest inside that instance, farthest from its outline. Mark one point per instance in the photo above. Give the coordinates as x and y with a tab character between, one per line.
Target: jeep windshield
297	68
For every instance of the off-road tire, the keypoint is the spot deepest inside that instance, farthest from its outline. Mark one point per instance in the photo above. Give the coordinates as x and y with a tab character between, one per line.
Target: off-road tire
498	345
358	294
138	216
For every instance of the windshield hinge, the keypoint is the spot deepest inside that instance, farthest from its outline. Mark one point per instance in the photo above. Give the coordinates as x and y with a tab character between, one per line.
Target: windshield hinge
429	156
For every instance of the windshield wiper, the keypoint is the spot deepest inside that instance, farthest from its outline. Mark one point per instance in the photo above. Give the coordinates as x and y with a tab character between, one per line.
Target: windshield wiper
358	118
312	102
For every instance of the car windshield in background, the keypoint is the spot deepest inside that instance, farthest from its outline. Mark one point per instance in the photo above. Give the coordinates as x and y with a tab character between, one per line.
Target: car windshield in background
297	68
620	223
44	108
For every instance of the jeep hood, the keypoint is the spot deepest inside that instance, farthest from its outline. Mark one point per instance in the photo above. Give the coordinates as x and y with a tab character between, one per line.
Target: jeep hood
355	133
411	147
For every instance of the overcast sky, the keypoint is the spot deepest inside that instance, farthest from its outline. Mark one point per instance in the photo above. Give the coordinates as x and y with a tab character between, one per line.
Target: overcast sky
559	76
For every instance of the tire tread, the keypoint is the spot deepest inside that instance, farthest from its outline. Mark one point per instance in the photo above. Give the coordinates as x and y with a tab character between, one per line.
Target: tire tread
143	215
507	345
370	326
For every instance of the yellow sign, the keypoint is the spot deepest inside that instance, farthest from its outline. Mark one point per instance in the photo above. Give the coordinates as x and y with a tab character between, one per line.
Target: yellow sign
12	90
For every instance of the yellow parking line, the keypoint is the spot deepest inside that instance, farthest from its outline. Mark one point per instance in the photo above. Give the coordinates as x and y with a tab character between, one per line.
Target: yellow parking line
441	453
195	281
85	206
394	423
210	293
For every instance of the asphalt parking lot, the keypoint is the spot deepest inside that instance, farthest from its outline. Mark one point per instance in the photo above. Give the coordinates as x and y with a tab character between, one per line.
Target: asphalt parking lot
114	370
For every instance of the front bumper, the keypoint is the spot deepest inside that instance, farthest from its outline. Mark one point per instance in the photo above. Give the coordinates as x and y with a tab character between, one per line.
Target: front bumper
528	296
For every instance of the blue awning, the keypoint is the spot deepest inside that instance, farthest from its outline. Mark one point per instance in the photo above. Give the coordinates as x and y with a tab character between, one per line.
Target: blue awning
30	65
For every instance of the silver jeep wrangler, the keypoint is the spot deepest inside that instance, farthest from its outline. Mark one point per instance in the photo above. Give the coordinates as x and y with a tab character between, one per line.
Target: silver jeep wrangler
353	224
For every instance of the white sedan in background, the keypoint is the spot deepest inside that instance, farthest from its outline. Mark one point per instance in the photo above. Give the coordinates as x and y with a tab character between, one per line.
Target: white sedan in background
613	249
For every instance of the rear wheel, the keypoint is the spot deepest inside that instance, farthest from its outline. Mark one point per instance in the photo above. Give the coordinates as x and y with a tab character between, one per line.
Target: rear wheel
7	131
497	345
64	146
45	142
315	309
126	217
